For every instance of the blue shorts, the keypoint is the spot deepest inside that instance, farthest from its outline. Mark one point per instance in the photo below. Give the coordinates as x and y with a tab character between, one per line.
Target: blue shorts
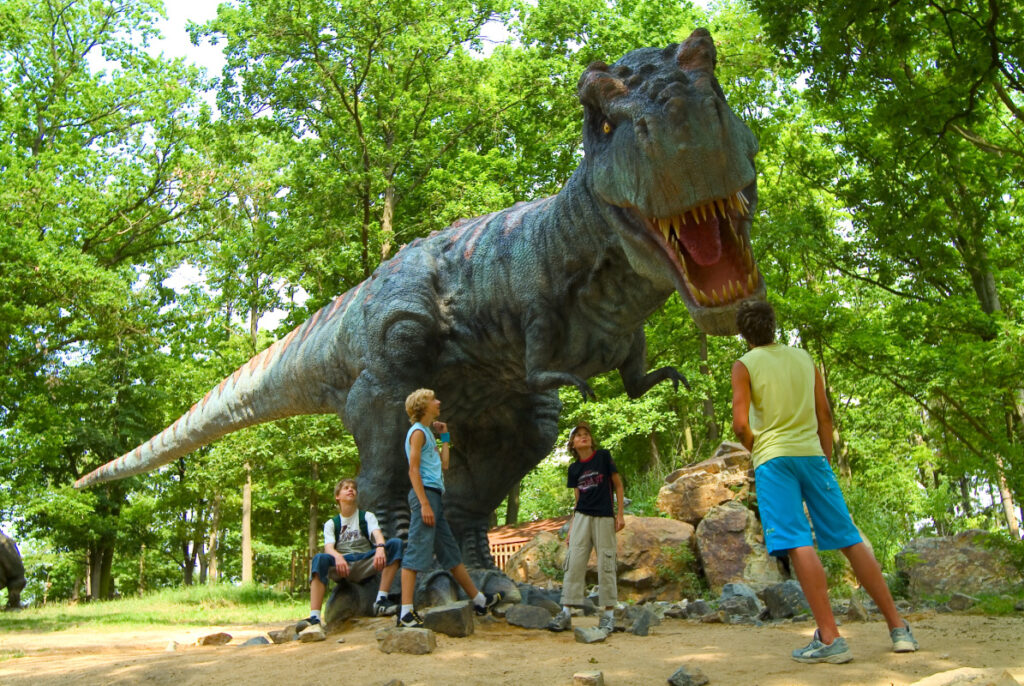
426	541
784	484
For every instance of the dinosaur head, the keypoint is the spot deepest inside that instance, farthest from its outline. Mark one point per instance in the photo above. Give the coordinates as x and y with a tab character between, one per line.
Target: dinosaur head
675	165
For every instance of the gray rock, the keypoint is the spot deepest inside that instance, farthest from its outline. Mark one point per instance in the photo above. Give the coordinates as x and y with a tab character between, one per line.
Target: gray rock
855	611
454	619
409	641
961	601
588	679
962	563
676	611
716	617
395	682
688	676
697	609
528	616
283	635
217	639
589	635
643	622
785	600
312	634
740	606
1019	606
734	589
257	641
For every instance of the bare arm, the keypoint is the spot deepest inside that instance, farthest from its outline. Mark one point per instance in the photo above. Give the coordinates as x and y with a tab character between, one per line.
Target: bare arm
340	563
416	443
380	557
620	498
741	405
824	415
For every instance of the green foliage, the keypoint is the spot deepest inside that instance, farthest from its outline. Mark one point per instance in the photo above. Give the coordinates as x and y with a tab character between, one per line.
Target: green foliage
190	606
548	562
681	567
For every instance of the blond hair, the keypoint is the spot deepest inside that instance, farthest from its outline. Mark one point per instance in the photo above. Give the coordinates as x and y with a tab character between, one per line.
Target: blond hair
416	403
337	486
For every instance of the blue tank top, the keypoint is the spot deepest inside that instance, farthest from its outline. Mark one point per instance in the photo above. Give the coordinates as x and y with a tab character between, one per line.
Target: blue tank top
430	458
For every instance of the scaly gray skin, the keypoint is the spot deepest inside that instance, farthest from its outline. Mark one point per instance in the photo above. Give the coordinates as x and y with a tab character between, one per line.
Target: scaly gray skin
497	312
12	571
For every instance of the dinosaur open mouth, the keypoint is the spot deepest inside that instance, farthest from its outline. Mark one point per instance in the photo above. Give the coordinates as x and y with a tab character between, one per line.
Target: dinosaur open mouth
710	246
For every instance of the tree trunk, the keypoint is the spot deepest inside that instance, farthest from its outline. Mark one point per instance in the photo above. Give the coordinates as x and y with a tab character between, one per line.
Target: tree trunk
312	539
142	570
212	547
106	565
247	526
1007	499
713	432
655	464
387	218
512	505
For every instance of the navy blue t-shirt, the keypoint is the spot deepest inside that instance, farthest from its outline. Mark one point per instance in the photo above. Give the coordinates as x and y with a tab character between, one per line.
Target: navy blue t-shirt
593	478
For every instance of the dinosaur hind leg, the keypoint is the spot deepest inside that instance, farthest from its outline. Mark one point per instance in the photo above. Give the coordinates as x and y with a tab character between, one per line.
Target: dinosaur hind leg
378	423
493	453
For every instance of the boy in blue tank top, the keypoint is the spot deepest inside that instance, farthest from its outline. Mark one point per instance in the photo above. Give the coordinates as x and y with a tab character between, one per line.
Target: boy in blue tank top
429	533
781	415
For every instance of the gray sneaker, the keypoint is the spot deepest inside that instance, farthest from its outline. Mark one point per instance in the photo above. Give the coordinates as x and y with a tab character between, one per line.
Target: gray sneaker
607	624
836	653
902	640
560	622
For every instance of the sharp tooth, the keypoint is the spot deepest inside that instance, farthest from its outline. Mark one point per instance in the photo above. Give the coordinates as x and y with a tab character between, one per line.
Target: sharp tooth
751	283
733	290
732	229
734	203
721	206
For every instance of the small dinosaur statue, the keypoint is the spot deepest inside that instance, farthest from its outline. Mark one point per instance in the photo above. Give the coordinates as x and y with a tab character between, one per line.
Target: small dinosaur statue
495	313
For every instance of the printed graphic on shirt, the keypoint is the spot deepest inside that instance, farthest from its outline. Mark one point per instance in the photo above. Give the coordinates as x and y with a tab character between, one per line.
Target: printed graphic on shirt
349	533
589	479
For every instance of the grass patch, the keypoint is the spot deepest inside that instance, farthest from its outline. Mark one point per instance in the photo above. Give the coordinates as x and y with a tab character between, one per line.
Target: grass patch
11	654
190	606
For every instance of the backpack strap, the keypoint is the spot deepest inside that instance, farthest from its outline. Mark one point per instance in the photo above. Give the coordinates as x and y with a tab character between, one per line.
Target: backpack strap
337	528
363	526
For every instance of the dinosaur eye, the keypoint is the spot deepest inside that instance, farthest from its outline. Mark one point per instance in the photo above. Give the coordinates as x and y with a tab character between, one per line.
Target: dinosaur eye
606	127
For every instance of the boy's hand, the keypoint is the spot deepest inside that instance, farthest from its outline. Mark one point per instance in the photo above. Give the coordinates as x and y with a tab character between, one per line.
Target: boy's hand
439	427
380	559
341	564
620	522
428	514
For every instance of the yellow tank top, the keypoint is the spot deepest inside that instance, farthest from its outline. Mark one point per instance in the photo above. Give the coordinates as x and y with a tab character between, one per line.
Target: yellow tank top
782	414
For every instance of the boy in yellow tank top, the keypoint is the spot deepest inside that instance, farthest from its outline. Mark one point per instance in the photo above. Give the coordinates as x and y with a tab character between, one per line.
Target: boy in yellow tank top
781	414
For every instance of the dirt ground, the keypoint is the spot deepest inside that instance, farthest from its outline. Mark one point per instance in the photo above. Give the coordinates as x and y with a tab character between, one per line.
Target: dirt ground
501	654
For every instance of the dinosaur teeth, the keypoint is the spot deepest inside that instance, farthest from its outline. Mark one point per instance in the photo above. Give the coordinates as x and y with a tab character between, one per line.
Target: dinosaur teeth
721	206
751	283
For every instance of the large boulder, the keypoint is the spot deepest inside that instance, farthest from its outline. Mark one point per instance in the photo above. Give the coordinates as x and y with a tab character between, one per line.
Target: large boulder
652	555
539	561
731	548
691	492
651	559
955	564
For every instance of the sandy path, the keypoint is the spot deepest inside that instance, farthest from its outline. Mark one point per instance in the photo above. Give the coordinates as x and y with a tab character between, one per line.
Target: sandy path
500	654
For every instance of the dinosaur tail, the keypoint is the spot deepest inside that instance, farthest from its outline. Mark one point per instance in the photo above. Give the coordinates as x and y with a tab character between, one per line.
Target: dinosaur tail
286	379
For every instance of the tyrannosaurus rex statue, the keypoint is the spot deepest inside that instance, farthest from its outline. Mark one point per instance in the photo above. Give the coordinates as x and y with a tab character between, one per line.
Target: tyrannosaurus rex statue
497	312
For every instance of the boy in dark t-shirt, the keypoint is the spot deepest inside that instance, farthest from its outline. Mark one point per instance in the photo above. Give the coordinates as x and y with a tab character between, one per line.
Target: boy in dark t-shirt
594	523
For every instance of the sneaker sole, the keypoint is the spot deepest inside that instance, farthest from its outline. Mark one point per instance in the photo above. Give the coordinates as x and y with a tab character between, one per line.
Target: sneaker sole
839	659
904	647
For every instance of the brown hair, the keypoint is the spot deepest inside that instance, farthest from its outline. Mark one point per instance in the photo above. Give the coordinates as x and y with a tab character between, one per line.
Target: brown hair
593	441
416	403
756	321
337	486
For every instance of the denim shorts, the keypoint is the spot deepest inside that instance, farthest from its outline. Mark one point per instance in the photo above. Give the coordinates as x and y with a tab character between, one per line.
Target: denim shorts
426	541
784	484
360	564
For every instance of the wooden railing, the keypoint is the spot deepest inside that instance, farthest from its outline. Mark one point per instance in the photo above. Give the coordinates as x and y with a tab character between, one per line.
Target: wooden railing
502	552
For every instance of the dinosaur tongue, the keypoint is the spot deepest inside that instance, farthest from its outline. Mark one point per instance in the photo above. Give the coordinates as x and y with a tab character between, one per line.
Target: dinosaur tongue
702	241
